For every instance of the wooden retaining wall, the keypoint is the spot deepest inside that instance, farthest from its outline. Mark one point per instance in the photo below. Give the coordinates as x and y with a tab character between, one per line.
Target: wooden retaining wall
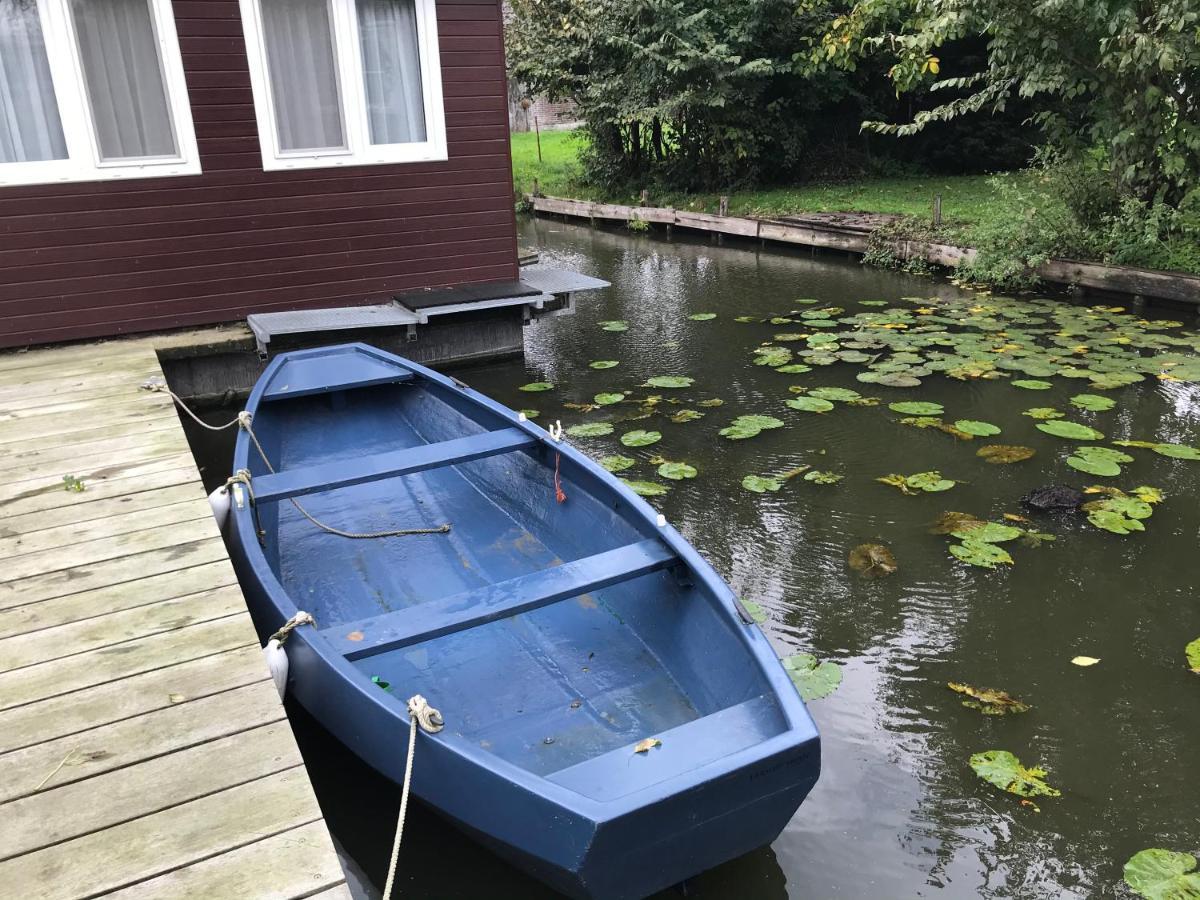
1148	283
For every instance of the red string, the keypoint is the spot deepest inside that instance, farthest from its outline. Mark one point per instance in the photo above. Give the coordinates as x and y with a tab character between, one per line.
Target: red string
559	494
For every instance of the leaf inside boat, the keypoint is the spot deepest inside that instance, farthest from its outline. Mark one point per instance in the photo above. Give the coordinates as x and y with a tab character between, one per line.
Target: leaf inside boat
645	746
1002	769
872	560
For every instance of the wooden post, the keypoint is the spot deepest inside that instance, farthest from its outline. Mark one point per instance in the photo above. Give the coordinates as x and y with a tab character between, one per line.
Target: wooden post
724	207
937	210
536	193
538	132
645	197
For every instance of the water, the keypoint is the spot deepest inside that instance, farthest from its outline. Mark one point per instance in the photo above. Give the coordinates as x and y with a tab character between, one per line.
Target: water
897	812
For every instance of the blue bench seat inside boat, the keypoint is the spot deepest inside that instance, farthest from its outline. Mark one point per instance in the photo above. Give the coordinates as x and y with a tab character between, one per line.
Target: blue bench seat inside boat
551	635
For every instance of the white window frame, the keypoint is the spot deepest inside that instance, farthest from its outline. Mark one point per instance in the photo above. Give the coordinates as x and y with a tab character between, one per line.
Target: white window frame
84	162
359	151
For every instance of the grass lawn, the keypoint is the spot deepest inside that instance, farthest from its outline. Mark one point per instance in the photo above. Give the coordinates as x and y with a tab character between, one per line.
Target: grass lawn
966	199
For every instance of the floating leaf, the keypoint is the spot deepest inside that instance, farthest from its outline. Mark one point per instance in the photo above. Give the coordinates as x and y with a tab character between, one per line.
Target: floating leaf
535	387
677	471
646	488
761	484
745	320
614	325
1104	468
844	395
1003	454
1192	652
794	369
1093	402
813	680
989	701
603	364
932	482
708	404
1148	494
529	413
988	533
608	399
1032	384
670	381
686	415
896	380
646	745
1043	413
1002	769
640	438
1176	451
618	463
788	337
917	408
951	522
702	317
1114	522
818	477
748	426
591	429
975	428
757	612
1143	445
772	356
981	553
872	560
1158	874
809	404
1070	430
1084	661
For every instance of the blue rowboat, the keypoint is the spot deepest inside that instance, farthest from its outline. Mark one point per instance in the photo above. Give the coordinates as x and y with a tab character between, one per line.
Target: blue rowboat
554	637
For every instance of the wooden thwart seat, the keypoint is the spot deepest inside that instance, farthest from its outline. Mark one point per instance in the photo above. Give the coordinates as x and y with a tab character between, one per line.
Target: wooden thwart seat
329	476
469	609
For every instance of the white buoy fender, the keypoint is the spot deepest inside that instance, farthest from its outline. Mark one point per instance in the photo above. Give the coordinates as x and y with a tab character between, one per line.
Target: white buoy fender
277	663
218	501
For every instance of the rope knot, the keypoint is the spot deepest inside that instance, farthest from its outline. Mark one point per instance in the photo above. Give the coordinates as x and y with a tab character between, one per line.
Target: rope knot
300	618
245	420
423	714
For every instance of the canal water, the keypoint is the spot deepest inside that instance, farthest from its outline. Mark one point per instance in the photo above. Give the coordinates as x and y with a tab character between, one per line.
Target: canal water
898	811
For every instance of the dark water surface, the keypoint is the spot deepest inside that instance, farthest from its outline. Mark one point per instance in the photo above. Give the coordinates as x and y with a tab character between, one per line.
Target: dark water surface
898	811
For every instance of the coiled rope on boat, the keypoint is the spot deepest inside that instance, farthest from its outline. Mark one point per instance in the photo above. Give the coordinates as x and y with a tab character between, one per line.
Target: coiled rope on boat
242	476
428	719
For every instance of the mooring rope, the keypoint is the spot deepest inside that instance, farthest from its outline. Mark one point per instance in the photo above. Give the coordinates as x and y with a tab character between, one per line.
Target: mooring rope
421	714
242	476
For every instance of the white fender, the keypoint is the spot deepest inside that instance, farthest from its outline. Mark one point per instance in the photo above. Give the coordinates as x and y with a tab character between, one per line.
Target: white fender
277	663
218	501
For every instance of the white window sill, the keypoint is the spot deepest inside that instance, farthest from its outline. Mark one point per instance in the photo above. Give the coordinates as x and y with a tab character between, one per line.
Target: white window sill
14	174
331	161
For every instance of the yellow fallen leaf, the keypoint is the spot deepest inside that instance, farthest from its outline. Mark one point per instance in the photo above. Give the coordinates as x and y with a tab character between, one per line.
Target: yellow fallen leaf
1085	660
176	698
1013	517
647	745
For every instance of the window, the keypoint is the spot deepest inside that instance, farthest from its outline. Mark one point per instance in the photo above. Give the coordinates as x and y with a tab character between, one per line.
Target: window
345	82
92	90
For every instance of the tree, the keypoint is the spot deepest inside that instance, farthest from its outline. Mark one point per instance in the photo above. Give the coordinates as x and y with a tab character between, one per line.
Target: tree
1119	75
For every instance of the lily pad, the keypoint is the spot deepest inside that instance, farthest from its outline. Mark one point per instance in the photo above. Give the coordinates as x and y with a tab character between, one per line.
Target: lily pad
794	369
670	381
844	395
1158	874
761	484
1002	769
713	402
590	429
1105	468
618	463
975	428
809	404
1070	430
1004	454
646	488
702	317
608	399
819	477
757	613
872	560
1043	413
686	415
896	380
988	701
917	408
1192	652
614	325
530	413
1176	451
1032	384
772	356
981	553
1093	402
677	471
989	533
603	364
951	522
813	679
749	426
535	387
640	438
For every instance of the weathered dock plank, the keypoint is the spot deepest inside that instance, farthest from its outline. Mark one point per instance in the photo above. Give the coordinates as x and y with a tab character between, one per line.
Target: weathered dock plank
144	747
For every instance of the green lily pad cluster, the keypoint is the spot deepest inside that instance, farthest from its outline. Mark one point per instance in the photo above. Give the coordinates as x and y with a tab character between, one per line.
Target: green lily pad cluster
929	482
1102	461
744	427
1119	512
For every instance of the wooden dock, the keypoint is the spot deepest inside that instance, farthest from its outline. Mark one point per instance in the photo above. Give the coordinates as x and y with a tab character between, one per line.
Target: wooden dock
143	749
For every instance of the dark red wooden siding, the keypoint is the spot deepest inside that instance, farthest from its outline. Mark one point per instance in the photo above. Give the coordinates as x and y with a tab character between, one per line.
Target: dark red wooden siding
91	259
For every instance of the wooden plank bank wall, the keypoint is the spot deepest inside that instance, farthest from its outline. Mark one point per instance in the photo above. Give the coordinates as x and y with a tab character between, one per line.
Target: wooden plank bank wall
92	259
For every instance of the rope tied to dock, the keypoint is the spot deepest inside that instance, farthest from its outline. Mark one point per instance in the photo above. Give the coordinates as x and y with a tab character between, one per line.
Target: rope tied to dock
420	715
245	421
